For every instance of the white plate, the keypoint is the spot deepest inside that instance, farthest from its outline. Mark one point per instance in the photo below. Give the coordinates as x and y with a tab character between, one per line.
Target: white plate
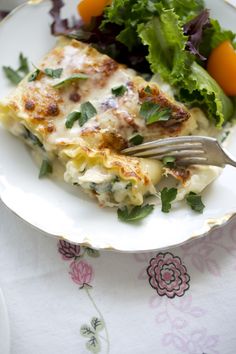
60	210
4	327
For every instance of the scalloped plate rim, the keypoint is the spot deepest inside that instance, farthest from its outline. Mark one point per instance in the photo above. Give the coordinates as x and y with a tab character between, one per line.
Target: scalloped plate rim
209	224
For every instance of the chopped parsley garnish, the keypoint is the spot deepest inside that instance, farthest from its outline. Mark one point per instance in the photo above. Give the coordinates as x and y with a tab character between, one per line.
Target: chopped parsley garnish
34	75
12	75
54	73
195	202
45	168
225	136
33	138
152	112
24	66
136	139
70	79
119	90
168	195
135	214
169	161
87	111
72	118
15	76
148	89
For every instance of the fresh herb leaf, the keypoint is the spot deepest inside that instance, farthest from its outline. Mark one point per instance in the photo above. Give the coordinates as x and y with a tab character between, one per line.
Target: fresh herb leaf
45	168
54	73
224	136
15	76
167	196
87	111
119	90
24	66
195	202
135	214
34	75
152	112
72	118
70	79
148	89
12	75
169	161
33	138
161	115
148	109
136	139
92	252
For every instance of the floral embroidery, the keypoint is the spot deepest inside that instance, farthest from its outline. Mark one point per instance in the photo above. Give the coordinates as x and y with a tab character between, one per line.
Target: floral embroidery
92	332
175	312
205	254
167	275
68	250
82	273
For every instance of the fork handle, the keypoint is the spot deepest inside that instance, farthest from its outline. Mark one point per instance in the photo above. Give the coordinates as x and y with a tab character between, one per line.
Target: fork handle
231	162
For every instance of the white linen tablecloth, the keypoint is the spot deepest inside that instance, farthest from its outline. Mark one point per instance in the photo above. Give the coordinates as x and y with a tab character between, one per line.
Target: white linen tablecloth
67	300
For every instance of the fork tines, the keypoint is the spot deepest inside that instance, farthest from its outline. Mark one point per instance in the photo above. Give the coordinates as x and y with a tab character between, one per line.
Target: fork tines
184	149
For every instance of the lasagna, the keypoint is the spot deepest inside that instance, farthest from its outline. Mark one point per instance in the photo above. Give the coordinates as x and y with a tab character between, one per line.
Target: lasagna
83	108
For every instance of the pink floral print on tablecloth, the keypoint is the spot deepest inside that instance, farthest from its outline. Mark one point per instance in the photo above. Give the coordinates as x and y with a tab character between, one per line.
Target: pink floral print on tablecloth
68	250
81	272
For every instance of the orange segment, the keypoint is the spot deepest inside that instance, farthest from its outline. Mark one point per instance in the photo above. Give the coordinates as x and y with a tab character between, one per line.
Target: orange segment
91	8
222	67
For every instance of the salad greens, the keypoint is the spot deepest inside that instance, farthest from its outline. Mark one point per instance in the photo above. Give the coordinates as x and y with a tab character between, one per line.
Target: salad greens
170	37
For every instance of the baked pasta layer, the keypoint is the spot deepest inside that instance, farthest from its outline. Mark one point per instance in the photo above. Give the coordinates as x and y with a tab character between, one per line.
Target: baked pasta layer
88	115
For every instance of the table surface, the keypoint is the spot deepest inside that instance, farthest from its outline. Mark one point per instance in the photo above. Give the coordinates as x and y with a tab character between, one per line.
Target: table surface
64	299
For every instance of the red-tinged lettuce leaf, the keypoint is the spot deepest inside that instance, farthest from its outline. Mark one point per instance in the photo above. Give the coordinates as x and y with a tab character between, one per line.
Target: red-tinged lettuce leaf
194	30
62	26
213	36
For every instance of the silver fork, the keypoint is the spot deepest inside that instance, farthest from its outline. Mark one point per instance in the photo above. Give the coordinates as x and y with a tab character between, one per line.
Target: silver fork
187	150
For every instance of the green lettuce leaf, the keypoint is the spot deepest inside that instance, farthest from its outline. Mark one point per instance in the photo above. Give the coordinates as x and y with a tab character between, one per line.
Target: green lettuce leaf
213	36
200	89
166	43
184	9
